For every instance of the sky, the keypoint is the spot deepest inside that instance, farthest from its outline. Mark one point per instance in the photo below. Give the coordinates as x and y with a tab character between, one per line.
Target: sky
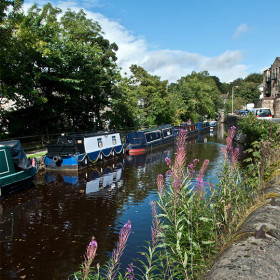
228	38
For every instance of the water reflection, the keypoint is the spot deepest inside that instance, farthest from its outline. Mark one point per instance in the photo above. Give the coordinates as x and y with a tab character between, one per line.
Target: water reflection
105	177
44	231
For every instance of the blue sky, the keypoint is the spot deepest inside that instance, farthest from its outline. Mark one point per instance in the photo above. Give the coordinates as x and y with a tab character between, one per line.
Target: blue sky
229	39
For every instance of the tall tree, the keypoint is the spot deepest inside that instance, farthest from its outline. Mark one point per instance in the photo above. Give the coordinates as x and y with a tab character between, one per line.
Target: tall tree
200	95
256	78
144	101
63	67
10	15
152	97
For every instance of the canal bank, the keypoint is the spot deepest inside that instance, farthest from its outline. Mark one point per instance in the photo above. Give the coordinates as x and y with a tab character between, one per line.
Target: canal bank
254	250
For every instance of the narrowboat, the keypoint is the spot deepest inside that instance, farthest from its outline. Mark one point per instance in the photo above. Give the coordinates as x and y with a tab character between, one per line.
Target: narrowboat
16	170
138	142
213	123
76	151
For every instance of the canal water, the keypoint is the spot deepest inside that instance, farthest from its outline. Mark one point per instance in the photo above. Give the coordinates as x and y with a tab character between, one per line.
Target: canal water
44	231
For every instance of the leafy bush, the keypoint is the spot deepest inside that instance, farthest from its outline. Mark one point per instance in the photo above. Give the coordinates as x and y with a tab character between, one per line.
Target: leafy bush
259	130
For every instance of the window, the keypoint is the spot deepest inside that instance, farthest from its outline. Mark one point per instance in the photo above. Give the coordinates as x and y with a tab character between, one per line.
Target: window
114	141
99	142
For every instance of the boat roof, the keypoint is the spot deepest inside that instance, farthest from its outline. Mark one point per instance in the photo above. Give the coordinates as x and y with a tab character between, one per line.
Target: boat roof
17	153
9	143
153	129
90	134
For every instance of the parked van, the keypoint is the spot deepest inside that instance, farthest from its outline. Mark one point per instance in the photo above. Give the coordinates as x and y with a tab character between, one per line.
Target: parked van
261	113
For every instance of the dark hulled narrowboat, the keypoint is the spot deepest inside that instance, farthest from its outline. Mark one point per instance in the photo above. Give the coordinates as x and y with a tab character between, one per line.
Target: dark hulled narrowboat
139	142
76	151
16	170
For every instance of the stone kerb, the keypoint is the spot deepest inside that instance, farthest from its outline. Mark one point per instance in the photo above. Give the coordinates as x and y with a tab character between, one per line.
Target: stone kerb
254	252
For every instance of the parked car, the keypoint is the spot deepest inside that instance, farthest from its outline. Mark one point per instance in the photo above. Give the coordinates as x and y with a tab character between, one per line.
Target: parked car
262	113
242	113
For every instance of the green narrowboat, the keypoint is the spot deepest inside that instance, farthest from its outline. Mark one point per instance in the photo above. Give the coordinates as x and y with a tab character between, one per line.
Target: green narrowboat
16	170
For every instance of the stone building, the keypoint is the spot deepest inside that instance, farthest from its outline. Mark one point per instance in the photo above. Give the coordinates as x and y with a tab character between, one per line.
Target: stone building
271	79
271	89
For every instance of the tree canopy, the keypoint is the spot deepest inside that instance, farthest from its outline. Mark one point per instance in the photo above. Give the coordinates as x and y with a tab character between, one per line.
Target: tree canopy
200	95
60	68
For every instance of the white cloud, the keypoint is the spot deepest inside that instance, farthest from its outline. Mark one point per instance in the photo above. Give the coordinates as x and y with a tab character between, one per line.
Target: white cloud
242	28
170	65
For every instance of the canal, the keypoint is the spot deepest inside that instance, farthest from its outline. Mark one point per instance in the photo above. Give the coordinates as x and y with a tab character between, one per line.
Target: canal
45	230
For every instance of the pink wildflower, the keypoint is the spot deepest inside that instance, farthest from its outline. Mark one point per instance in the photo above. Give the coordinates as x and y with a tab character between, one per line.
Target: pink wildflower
117	253
180	160
89	256
199	179
228	151
155	224
160	183
168	161
130	272
234	157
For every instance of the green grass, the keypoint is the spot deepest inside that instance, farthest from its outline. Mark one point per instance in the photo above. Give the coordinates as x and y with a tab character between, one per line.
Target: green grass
37	155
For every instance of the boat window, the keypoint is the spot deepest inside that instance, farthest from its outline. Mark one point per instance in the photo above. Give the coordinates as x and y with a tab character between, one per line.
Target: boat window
166	132
79	141
151	136
114	141
99	142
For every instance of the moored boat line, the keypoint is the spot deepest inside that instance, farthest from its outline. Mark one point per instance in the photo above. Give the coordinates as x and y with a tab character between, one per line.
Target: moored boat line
77	151
139	142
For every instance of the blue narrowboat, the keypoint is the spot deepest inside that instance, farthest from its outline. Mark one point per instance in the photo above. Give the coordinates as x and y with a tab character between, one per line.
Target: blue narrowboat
138	142
76	151
213	123
16	170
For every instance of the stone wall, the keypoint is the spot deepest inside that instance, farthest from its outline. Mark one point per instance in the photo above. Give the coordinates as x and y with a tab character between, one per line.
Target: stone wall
254	251
277	108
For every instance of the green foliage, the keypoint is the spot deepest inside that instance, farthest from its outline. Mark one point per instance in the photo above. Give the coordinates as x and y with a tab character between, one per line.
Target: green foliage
256	78
258	130
59	64
198	95
222	87
262	144
238	103
248	91
253	164
245	91
142	101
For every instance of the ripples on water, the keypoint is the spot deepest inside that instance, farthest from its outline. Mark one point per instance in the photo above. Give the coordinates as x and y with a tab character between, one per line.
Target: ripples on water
45	230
